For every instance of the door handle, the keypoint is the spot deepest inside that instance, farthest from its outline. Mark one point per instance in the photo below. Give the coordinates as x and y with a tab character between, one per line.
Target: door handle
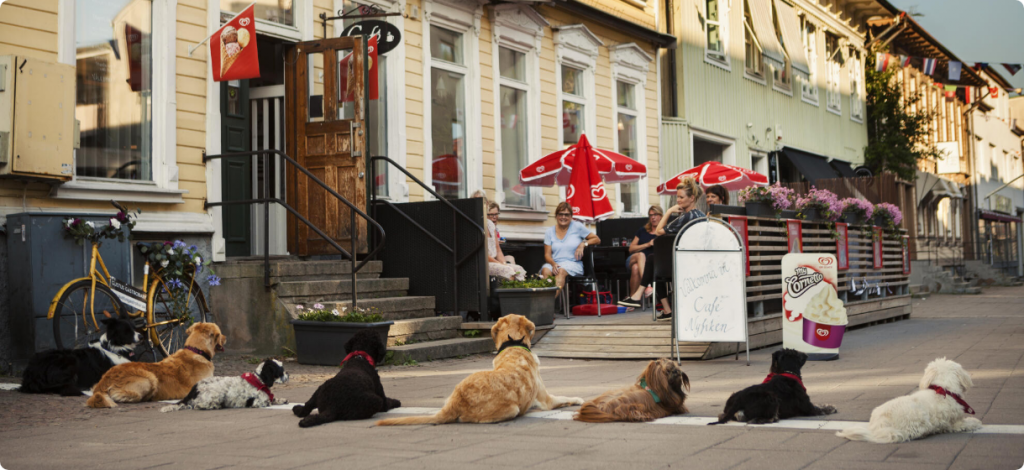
352	133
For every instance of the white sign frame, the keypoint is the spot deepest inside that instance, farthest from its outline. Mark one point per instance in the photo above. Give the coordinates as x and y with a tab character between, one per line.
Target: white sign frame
716	250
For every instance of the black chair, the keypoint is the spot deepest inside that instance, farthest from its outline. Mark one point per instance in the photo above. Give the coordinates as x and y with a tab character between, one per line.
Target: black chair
664	259
611	266
588	277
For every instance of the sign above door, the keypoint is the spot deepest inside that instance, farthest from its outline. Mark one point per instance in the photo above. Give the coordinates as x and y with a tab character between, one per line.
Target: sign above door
388	35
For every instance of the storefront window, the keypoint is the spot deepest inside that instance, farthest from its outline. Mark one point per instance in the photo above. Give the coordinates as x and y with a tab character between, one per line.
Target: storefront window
573	106
448	113
114	96
274	11
626	126
514	125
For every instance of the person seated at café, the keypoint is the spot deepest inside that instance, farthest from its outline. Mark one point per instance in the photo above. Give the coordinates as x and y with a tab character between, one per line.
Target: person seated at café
493	212
563	246
717	194
642	246
687	194
497	265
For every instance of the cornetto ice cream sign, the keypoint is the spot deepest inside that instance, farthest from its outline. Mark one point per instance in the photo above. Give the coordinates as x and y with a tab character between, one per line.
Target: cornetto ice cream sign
814	318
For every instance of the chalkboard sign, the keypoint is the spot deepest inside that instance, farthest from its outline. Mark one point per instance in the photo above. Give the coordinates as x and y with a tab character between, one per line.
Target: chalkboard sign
710	284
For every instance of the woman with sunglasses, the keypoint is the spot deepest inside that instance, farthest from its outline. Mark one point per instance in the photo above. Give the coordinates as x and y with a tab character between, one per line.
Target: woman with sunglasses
564	244
498	264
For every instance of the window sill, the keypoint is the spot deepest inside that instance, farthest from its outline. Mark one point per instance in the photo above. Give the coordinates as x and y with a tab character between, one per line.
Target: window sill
857	120
717	62
89	190
837	112
783	90
532	215
637	3
755	78
809	100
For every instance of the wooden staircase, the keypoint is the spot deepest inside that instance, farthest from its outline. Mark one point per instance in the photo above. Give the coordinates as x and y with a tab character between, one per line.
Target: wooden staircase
614	341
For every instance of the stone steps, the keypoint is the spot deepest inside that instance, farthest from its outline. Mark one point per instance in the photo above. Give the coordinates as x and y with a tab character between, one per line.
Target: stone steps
339	290
297	270
440	349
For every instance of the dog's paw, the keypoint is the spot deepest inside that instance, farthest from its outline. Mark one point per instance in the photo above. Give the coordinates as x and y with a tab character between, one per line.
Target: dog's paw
280	401
828	410
297	409
576	401
970	424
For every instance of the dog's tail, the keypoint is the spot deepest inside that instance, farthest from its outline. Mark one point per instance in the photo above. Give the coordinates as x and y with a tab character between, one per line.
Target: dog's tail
100	400
445	416
862	433
592	413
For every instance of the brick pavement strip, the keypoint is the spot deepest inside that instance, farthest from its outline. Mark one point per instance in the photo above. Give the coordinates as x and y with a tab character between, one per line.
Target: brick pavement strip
985	333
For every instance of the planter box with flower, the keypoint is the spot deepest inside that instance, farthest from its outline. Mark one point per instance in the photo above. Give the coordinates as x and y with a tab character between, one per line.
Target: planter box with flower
856	211
769	202
321	334
818	205
889	217
533	298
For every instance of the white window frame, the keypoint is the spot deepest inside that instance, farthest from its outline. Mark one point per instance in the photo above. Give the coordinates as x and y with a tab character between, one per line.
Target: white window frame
710	56
462	17
163	187
631	64
834	79
398	190
777	85
809	92
728	155
519	28
857	87
577	47
748	29
302	13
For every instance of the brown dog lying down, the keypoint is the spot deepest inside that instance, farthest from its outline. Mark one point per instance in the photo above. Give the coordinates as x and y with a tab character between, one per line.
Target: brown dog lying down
169	379
510	390
657	393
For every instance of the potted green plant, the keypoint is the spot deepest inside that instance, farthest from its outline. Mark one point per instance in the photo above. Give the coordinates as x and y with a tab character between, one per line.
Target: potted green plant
770	201
321	334
856	211
532	298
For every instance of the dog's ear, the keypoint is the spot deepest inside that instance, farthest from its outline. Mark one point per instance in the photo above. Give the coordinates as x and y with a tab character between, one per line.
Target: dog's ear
268	372
192	328
259	368
965	379
803	358
686	380
497	326
108	321
350	344
930	373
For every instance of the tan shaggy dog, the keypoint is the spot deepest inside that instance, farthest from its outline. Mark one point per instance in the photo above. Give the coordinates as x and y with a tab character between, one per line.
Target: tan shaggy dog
657	393
169	379
510	390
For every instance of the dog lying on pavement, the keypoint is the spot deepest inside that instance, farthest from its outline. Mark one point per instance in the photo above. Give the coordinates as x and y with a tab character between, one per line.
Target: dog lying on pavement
69	371
936	407
657	393
782	395
246	391
510	390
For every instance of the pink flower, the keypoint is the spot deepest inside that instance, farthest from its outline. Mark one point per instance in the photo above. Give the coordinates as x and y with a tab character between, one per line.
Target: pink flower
890	211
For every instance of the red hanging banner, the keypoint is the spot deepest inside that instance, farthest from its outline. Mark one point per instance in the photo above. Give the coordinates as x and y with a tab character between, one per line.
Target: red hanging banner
233	49
344	70
905	245
133	39
795	236
876	245
739	222
842	246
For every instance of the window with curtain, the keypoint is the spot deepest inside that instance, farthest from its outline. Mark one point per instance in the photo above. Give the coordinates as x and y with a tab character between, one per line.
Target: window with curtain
753	57
515	154
274	11
782	75
448	113
573	105
626	128
856	83
833	96
114	93
809	86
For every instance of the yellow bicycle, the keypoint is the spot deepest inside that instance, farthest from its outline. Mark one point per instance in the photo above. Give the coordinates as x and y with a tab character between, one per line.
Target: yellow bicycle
162	310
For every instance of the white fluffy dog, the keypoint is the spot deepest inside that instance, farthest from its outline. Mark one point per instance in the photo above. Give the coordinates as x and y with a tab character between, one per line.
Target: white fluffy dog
937	407
246	391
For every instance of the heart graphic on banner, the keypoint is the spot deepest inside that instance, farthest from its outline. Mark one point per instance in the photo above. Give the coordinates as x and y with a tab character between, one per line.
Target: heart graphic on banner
569	192
597	192
540	169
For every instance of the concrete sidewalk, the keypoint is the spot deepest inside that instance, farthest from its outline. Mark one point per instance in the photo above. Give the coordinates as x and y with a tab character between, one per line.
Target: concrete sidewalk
984	333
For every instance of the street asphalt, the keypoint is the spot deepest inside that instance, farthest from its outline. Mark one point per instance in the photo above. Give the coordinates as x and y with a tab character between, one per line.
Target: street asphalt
984	333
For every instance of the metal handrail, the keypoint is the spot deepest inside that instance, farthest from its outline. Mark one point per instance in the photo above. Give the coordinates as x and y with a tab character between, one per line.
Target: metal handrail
266	200
455	234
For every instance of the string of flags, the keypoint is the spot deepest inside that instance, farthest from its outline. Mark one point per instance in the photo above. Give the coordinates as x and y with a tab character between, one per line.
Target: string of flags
884	60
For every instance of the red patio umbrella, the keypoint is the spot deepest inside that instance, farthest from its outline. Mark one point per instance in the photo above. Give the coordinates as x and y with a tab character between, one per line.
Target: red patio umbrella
556	168
586	192
733	178
446	171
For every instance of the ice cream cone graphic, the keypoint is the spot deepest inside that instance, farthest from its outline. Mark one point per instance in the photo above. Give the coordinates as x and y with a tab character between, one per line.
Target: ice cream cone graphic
232	41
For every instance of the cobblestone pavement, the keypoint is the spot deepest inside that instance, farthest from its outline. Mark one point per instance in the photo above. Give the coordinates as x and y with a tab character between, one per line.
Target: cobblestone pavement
985	333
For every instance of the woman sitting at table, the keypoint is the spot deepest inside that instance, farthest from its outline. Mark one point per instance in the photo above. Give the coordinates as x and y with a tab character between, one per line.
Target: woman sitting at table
642	246
500	267
687	194
563	246
717	194
493	211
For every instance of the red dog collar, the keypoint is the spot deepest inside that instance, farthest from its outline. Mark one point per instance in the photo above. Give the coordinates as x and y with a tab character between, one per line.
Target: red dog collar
362	354
200	352
256	382
947	393
785	374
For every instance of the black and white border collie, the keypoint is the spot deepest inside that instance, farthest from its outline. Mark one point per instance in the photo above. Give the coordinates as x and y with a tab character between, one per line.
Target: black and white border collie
69	371
247	391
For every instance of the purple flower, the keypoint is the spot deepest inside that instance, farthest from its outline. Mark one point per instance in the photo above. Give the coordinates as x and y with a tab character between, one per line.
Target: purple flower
178	244
121	217
890	211
852	205
213	279
822	199
175	284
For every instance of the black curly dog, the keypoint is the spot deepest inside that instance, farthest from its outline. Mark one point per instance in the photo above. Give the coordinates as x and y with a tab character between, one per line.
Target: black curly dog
778	397
355	392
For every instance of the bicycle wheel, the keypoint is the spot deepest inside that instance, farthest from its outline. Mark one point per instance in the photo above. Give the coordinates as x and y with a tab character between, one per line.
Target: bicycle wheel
75	324
172	311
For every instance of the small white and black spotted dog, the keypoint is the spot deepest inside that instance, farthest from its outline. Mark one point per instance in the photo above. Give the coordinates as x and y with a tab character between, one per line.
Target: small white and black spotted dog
246	391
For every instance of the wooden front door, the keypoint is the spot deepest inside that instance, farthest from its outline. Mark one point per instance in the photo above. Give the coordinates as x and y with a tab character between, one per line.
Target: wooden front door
326	109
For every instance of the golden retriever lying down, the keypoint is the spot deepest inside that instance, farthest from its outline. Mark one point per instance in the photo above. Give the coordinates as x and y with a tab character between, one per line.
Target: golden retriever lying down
169	379
508	391
657	393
